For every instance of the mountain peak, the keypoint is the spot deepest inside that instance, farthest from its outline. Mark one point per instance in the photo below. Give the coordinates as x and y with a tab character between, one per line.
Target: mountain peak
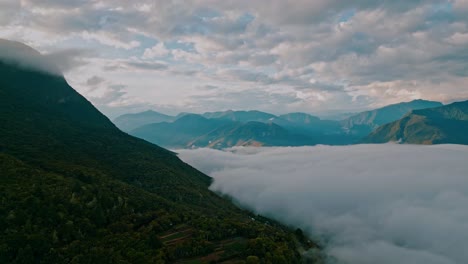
363	123
24	56
413	104
240	116
44	92
128	122
444	124
191	117
423	100
299	117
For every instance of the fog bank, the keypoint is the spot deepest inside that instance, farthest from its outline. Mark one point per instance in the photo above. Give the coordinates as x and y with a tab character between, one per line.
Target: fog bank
367	203
55	63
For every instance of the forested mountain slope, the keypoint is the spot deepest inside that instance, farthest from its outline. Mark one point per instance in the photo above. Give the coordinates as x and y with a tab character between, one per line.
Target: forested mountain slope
446	124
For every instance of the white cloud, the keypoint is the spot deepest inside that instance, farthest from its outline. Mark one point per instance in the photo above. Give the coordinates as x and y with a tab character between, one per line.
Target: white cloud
108	40
459	38
346	44
159	50
367	203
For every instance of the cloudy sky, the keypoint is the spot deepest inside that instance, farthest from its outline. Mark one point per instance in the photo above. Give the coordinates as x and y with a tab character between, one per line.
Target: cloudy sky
276	55
367	204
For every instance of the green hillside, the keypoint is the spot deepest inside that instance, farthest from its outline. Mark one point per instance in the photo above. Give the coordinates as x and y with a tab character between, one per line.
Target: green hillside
363	123
250	134
446	124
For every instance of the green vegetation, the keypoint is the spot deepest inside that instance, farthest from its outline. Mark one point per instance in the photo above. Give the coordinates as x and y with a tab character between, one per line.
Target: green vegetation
222	129
360	125
75	189
250	134
446	124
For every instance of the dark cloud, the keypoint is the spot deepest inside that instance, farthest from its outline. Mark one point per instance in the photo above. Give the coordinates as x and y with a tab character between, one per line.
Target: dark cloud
66	60
58	3
95	80
262	59
209	87
8	10
147	65
184	72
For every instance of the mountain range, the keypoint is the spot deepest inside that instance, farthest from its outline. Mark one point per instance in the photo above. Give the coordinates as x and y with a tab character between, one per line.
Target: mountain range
256	128
251	133
362	124
445	124
129	122
76	189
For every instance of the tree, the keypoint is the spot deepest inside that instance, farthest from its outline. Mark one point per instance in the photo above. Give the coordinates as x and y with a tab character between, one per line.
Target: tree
252	260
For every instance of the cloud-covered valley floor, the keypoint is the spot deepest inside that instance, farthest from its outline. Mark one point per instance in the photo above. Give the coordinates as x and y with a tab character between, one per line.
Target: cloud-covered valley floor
366	203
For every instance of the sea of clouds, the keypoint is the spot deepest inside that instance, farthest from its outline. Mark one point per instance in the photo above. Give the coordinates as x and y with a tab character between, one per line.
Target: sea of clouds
365	203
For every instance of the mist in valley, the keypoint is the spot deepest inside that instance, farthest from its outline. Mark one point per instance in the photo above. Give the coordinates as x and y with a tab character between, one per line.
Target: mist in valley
364	203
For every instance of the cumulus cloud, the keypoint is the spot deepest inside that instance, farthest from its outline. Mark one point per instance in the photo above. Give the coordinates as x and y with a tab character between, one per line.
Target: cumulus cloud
360	49
95	80
159	50
365	203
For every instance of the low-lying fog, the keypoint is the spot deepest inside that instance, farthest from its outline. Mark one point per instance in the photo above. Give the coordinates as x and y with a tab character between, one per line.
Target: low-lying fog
367	203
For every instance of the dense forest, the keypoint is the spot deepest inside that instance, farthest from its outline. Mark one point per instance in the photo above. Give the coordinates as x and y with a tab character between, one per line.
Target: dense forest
75	189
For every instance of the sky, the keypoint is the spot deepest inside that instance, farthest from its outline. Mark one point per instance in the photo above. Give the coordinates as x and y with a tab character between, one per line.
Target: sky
314	56
366	204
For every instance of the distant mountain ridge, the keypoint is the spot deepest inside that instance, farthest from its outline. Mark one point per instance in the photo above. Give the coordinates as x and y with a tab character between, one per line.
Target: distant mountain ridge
129	122
178	133
240	116
252	133
363	123
445	124
298	117
229	128
233	128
